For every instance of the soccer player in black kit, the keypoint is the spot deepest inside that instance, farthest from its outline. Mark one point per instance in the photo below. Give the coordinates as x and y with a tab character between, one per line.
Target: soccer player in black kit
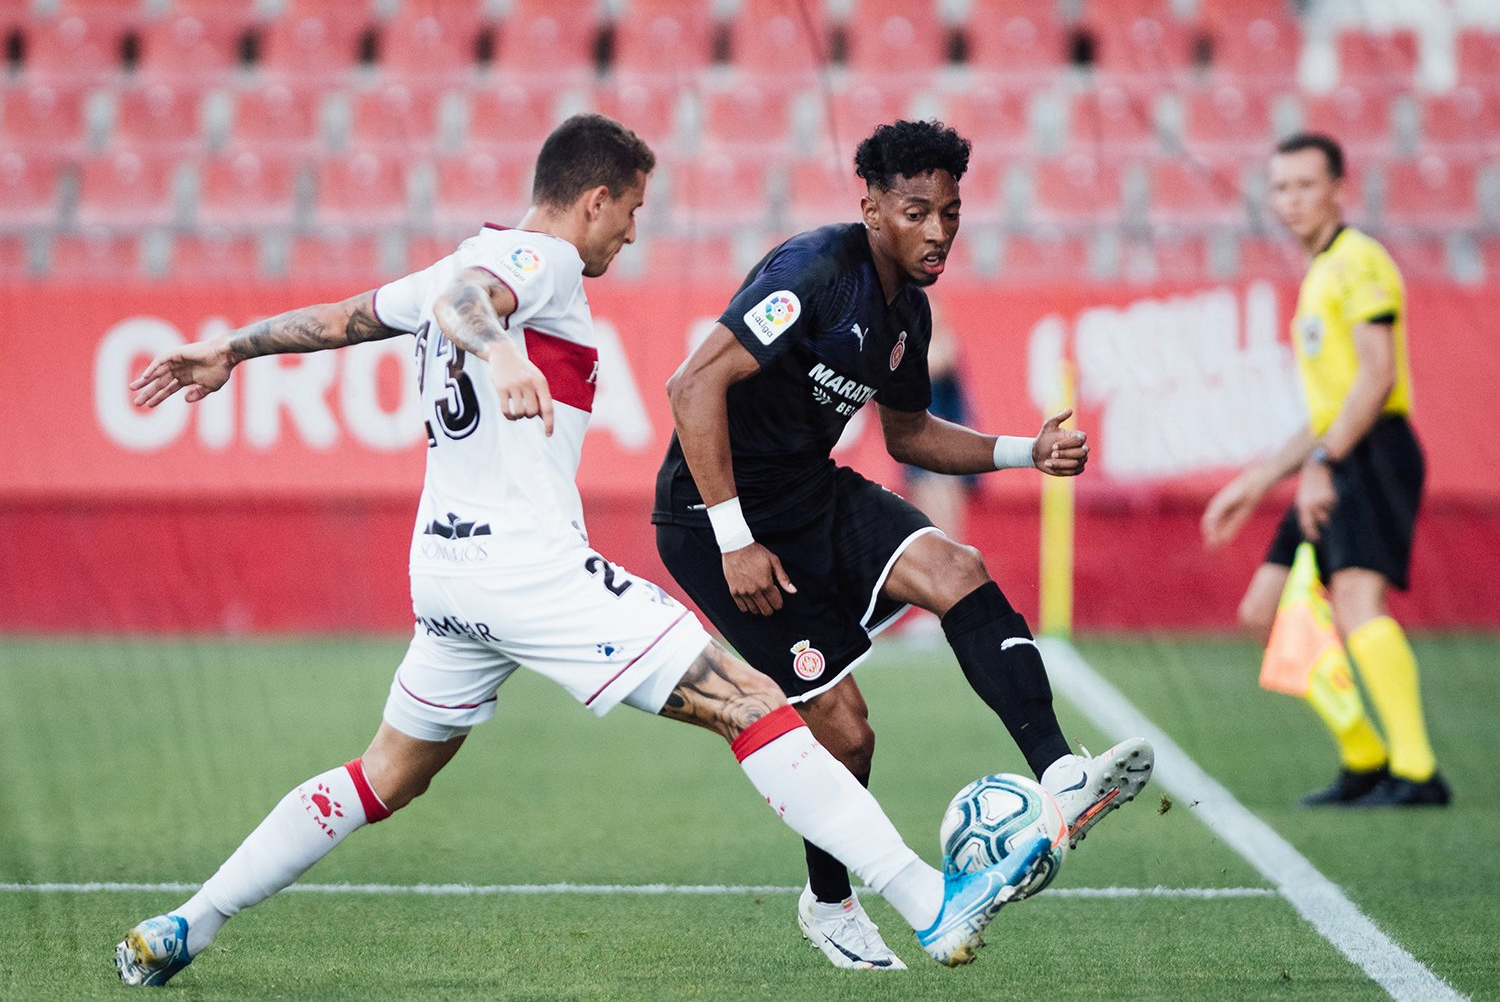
799	561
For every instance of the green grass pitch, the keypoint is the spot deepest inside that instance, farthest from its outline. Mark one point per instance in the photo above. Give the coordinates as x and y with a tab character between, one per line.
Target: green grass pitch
142	760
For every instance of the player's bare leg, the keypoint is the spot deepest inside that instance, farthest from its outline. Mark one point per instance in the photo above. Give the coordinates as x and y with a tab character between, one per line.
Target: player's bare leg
302	829
1000	659
822	802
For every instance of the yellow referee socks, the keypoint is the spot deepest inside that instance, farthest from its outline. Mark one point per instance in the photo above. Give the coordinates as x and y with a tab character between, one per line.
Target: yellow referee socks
1332	694
1389	670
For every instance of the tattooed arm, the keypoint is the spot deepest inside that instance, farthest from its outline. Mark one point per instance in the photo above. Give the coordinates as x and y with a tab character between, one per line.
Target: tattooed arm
469	314
722	693
204	366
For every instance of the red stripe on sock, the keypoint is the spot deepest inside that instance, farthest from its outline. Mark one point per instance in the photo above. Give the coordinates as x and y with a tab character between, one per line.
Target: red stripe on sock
765	730
374	809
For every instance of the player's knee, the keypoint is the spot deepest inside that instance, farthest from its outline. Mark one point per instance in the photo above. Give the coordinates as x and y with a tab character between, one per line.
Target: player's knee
961	571
853	745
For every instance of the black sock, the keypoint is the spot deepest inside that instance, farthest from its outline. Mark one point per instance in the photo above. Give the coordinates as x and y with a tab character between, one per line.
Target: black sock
1011	680
828	877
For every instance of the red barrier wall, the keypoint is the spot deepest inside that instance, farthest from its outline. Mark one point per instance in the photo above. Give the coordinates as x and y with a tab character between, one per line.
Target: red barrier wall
285	502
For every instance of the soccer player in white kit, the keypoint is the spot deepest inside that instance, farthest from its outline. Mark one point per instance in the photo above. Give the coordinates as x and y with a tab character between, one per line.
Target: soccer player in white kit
502	574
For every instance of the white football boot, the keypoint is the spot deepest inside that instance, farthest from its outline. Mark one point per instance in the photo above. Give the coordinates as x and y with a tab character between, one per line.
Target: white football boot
1087	788
153	951
845	934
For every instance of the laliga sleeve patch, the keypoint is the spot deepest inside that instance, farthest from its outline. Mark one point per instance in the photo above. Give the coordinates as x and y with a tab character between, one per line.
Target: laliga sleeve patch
770	317
521	264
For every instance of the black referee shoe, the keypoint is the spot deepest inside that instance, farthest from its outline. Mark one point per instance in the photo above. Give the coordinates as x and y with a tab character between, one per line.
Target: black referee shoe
1347	787
1398	792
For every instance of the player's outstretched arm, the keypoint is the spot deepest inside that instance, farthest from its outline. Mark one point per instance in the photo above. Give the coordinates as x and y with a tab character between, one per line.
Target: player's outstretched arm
697	391
203	366
469	314
919	439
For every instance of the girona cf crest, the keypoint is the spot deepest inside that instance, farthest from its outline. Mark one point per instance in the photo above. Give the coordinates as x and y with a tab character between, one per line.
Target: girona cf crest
898	352
807	661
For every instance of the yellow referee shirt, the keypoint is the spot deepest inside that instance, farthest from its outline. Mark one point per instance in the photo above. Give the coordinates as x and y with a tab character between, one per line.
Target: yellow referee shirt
1352	281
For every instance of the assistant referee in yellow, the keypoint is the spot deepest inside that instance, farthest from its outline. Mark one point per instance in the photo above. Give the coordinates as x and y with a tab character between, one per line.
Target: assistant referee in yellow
1360	471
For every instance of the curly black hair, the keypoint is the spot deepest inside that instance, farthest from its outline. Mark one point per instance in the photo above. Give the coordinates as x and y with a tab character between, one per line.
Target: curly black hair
910	149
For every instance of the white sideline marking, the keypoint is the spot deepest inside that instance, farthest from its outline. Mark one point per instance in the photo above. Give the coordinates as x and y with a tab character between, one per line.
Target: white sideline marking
1316	898
461	890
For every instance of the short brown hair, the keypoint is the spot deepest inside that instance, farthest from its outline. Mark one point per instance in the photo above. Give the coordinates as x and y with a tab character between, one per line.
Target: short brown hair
1327	145
585	152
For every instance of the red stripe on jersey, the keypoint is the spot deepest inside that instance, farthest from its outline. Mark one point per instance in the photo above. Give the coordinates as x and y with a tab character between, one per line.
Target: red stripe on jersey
572	369
765	730
374	809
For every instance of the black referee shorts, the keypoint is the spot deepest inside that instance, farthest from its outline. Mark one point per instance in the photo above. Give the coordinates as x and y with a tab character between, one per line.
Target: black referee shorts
838	560
1379	488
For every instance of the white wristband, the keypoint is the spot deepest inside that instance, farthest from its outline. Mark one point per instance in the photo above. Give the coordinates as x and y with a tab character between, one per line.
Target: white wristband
730	528
1012	452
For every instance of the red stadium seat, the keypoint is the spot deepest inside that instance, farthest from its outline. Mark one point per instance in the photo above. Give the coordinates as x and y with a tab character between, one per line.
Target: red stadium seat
992	116
513	112
649	105
896	39
1463	122
279	115
1044	256
1278	258
1077	189
747	114
1248	10
713	192
427	248
191	48
1385	59
1167	256
73	48
1253	48
128	188
15	264
1431	192
1015	37
664	38
215	256
337	258
95	254
432	43
1187	194
1422	257
247	189
1479	57
156	115
480	187
1116	120
541	38
1151	47
396	116
691	259
852	112
311	48
1226	120
1489	252
982	188
823	191
1359	119
361	191
43	116
783	40
29	189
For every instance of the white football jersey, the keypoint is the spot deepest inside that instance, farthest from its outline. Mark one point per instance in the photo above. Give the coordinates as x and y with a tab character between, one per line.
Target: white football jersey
499	492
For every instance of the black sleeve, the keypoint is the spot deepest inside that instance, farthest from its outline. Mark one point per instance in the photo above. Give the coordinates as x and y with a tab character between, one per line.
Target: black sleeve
782	304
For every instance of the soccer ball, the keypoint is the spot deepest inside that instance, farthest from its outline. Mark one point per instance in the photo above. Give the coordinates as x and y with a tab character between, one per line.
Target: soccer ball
997	815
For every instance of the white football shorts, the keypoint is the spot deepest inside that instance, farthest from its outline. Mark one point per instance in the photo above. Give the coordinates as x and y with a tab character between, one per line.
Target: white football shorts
603	634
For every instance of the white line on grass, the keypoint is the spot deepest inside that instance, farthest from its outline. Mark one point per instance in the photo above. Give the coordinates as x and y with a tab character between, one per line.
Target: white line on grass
460	890
1316	898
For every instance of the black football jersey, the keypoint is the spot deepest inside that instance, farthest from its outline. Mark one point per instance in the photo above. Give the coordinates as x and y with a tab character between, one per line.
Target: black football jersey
813	314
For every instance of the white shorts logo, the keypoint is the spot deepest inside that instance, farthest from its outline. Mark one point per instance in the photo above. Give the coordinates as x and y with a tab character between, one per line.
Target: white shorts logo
771	316
522	263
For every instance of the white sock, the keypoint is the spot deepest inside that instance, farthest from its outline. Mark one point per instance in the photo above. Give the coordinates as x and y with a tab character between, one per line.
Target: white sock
300	830
821	801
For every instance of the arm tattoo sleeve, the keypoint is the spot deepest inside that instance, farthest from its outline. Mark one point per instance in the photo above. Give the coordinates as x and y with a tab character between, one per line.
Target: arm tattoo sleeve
312	328
471	320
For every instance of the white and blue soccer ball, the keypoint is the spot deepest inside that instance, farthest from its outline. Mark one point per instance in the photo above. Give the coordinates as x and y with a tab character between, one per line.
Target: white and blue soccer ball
995	816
